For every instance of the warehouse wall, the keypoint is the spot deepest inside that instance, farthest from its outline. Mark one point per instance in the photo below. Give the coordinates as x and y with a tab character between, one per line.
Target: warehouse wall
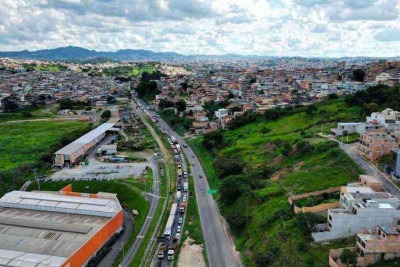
81	256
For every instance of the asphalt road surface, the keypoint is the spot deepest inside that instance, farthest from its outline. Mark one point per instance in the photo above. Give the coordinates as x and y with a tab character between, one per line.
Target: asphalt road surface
369	168
220	249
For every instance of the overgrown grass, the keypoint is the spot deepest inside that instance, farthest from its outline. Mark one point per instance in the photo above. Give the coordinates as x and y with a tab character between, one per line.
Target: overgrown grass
26	142
299	161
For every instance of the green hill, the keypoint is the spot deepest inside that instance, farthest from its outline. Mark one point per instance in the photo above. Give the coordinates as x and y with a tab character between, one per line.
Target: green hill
258	165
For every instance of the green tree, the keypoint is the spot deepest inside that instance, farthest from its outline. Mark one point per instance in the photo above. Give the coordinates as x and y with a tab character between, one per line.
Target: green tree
105	116
348	257
307	221
233	187
228	166
367	109
213	140
180	105
358	75
311	110
111	100
165	103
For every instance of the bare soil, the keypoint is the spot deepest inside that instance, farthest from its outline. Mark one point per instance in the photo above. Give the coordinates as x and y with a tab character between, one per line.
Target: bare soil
191	255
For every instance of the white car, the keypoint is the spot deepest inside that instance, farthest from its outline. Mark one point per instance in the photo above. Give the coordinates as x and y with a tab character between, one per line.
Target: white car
177	235
180	220
178	229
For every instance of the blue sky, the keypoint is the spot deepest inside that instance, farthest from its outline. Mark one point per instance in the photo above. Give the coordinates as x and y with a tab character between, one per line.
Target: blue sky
262	27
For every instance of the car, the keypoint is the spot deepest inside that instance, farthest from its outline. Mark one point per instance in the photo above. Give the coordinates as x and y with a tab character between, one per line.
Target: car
177	235
192	156
184	198
193	163
180	220
178	228
200	176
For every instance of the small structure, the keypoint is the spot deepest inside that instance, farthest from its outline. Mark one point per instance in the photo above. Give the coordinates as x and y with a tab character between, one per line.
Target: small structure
395	162
107	150
371	182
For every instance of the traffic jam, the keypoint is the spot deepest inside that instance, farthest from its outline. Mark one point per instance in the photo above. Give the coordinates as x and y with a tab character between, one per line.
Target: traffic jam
168	243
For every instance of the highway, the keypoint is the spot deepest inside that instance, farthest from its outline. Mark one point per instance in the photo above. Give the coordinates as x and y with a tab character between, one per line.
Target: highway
220	249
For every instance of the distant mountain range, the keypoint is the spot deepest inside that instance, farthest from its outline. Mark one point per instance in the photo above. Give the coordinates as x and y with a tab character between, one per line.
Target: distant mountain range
74	53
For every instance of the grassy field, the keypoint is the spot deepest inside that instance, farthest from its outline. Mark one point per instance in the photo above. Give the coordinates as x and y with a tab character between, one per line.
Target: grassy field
26	142
298	161
127	71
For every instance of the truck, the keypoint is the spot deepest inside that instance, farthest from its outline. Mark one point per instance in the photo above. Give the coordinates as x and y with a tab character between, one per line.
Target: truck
182	207
178	147
171	248
173	139
178	195
185	186
162	248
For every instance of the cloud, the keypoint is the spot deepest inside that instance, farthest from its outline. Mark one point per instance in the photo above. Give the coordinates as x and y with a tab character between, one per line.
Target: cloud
236	19
284	27
390	35
320	28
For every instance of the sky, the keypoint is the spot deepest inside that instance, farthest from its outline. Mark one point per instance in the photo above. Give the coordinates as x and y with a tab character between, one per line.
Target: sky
331	28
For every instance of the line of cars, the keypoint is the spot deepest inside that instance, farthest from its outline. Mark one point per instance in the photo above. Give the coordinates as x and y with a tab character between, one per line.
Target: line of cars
169	241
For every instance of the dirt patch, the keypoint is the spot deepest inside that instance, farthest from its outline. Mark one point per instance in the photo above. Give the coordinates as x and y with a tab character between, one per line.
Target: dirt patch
191	255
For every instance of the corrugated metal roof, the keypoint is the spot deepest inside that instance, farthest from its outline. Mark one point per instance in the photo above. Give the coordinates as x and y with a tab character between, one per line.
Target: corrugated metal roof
85	139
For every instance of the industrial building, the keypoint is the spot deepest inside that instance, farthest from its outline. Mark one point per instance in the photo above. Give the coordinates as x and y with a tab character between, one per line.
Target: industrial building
69	154
62	228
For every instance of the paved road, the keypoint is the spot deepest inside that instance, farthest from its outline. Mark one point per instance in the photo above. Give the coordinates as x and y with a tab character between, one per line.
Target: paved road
112	256
220	249
370	169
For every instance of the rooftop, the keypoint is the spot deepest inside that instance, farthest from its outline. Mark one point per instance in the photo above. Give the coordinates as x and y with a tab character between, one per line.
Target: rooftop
104	204
85	139
29	237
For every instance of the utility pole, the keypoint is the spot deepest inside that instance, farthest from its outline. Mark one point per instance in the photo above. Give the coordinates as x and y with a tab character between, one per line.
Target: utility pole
37	180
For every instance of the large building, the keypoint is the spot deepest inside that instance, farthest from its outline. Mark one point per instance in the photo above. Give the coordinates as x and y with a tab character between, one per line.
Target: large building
62	228
72	152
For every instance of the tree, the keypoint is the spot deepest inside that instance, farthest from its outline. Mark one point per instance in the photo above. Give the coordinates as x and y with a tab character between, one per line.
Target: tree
306	221
165	103
228	166
180	105
253	80
358	75
105	116
233	187
9	104
311	110
184	86
111	100
367	109
213	140
348	257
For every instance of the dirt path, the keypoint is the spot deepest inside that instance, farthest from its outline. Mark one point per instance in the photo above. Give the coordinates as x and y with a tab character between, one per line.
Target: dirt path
191	255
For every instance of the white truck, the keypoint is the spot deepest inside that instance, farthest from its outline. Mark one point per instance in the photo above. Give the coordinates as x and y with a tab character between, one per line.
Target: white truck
171	249
185	186
173	139
178	195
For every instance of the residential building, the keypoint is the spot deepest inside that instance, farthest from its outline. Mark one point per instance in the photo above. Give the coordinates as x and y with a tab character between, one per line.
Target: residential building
374	145
361	207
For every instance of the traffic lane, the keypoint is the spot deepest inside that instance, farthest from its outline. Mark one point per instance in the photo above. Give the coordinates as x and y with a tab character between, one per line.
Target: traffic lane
215	233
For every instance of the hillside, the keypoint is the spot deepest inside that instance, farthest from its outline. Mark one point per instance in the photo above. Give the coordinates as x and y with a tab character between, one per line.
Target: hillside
257	166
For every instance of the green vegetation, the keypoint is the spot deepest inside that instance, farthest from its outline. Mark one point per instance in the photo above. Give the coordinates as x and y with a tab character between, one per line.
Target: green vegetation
129	71
28	145
106	115
55	67
273	156
314	201
147	90
71	104
180	123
